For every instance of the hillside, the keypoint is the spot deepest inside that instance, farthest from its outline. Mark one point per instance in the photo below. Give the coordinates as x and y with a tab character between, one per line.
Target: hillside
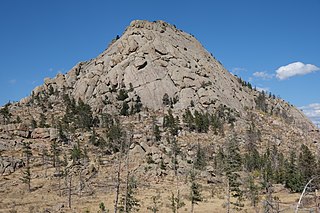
154	106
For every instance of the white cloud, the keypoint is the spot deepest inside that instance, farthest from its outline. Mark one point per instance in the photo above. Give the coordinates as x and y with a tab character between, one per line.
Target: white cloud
296	68
312	111
265	89
237	70
263	75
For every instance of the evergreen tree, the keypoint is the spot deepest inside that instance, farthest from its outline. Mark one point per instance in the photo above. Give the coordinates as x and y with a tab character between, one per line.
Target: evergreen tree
102	207
233	162
252	191
307	163
5	112
129	202
200	161
166	100
122	95
84	115
156	132
175	151
261	103
176	202
42	123
267	170
154	208
219	161
195	191
55	152
76	153
189	120
125	109
293	176
137	105
26	178
115	135
201	122
171	123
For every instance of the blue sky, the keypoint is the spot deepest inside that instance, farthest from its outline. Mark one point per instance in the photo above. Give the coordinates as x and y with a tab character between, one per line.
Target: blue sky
253	39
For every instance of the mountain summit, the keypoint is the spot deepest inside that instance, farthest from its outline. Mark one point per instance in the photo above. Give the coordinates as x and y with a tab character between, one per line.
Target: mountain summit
152	60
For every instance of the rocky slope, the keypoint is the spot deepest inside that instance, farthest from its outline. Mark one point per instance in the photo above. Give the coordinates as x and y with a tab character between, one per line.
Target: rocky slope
158	69
152	59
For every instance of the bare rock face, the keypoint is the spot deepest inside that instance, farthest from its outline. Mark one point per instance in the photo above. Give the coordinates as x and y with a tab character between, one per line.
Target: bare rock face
154	59
9	165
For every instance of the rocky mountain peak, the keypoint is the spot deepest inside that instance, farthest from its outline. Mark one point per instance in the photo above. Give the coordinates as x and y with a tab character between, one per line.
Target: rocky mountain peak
154	65
153	61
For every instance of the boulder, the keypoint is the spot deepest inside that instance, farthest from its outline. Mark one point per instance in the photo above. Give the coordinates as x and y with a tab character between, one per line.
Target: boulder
40	133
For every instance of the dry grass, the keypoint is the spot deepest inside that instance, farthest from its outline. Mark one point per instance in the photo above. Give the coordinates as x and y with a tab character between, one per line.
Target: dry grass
46	195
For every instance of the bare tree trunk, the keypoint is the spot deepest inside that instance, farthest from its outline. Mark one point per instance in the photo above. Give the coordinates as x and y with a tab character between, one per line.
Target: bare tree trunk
69	196
317	201
228	196
127	178
80	183
118	180
304	190
46	170
117	187
59	186
178	194
192	208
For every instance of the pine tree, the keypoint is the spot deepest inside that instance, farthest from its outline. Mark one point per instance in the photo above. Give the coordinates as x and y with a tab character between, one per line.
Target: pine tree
175	151
129	202
5	112
84	115
252	191
125	109
102	207
232	167
154	208
26	178
307	163
76	153
55	152
115	136
156	132
166	100
189	120
137	105
176	202
294	180
195	191
252	159
42	123
200	161
171	123
201	122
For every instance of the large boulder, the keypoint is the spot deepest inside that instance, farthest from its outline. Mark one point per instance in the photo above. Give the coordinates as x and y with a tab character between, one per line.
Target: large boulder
40	133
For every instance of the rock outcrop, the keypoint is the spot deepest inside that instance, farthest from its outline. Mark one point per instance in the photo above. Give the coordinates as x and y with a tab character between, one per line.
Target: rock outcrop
152	59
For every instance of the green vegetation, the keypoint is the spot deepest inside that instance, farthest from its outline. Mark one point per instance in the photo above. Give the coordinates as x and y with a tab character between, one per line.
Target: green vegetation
195	191
26	178
5	112
129	203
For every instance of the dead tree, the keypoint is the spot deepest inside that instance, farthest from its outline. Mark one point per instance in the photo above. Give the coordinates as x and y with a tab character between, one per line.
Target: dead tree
69	191
127	168
303	192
